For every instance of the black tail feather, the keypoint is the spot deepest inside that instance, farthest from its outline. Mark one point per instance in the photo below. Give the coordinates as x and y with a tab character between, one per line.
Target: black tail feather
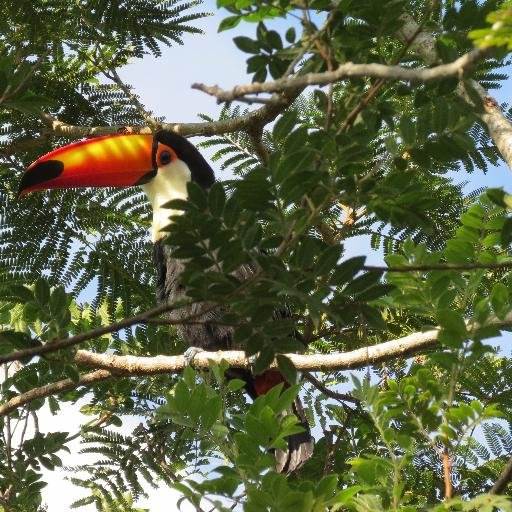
300	446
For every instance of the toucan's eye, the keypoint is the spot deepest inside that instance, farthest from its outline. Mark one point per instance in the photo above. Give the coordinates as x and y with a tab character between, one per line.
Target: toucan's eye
165	157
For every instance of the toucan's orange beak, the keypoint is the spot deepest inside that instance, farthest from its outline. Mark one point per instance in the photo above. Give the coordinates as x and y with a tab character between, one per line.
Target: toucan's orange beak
111	161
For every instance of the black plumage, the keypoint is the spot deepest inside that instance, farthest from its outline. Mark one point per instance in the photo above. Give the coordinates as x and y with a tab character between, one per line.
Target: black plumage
205	332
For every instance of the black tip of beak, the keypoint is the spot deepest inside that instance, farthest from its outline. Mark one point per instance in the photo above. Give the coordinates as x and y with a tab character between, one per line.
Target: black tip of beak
40	173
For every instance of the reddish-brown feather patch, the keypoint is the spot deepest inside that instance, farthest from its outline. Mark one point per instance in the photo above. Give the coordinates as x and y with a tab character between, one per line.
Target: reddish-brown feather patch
267	380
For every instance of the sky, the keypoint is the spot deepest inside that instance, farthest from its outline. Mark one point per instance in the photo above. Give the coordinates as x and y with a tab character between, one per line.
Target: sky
164	87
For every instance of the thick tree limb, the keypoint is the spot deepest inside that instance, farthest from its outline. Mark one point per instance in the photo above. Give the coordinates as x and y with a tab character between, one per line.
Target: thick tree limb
258	117
500	128
361	357
348	70
111	365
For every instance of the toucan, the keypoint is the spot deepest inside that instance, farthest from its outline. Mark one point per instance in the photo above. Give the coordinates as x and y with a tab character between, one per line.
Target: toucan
162	164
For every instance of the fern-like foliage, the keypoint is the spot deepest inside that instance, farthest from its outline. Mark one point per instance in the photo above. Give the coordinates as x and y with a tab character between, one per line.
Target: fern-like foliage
83	244
127	465
234	150
95	240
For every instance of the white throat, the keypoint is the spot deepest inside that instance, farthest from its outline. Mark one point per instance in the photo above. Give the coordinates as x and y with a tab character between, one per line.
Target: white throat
169	183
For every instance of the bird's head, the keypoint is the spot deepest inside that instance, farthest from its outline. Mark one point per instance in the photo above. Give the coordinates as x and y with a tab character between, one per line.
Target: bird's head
162	164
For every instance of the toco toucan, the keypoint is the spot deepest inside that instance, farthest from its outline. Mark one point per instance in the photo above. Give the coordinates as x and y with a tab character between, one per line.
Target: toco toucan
162	164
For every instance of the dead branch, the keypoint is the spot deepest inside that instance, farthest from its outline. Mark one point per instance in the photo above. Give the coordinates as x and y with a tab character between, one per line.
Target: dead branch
498	125
257	118
348	70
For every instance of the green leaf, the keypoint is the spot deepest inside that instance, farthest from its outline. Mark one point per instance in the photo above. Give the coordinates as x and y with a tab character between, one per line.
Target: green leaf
179	204
229	23
348	269
196	195
18	340
500	300
58	300
246	44
327	486
72	373
506	232
290	35
362	283
216	199
252	236
17	292
287	368
236	384
497	196
284	125
407	130
264	359
42	292
453	323
29	103
274	40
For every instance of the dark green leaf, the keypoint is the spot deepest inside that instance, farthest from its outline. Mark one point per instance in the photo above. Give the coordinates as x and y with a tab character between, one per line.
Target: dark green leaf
287	368
229	23
348	269
216	199
246	44
506	232
284	125
42	292
290	35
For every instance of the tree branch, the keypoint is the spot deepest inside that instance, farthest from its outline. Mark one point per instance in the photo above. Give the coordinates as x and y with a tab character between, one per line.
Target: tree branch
258	117
114	76
342	397
348	70
440	266
111	365
498	125
503	480
54	389
53	346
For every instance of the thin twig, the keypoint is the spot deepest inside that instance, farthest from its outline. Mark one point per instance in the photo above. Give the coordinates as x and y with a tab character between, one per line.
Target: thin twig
90	425
503	480
342	397
114	76
53	346
440	266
